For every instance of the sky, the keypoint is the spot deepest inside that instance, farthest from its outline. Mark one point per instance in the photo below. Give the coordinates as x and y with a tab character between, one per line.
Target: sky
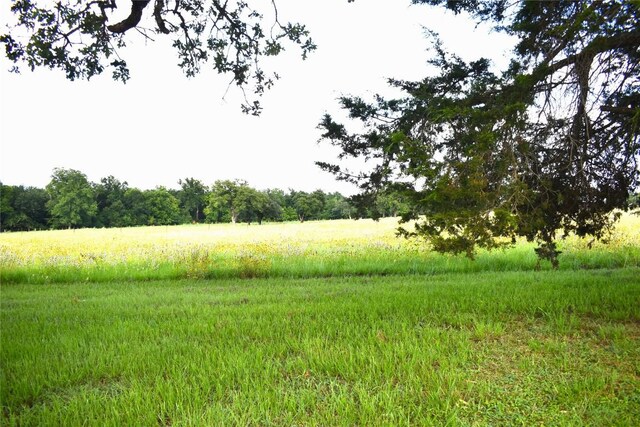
162	126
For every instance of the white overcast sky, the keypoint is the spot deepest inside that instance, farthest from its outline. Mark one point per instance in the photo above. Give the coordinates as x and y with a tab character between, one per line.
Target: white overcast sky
161	126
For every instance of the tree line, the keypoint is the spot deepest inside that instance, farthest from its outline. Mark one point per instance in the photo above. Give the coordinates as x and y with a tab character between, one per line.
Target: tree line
70	200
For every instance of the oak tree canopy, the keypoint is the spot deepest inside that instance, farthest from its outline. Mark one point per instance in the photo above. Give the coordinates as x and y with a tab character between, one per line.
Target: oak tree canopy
85	38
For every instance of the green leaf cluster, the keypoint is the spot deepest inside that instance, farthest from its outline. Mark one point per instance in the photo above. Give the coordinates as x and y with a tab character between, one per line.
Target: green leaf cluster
71	199
82	40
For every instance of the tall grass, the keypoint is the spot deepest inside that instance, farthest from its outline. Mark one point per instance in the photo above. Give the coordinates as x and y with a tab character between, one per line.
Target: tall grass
314	249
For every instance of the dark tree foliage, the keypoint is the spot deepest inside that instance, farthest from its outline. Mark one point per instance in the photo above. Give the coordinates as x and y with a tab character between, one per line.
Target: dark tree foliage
265	207
276	204
136	212
192	196
483	157
82	38
6	206
23	208
249	204
308	206
110	198
634	202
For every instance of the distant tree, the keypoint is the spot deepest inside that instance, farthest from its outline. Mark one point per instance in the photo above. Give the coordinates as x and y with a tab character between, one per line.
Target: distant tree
257	206
277	195
319	201
23	208
162	207
277	204
135	204
82	39
289	212
30	207
308	205
391	204
337	207
220	204
246	204
634	203
192	198
299	204
6	206
226	201
72	202
110	198
236	201
269	206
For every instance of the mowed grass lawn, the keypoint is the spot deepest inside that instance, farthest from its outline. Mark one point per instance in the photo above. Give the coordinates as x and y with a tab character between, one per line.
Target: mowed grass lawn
313	344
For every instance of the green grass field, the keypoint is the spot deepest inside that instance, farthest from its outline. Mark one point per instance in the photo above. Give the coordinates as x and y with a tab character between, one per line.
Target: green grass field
327	323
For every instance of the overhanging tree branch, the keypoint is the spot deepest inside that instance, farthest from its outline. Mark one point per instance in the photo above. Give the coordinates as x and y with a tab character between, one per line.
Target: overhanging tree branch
157	13
596	46
137	6
627	111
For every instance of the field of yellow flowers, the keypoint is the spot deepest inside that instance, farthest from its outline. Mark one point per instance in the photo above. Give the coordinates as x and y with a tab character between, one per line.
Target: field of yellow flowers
311	249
